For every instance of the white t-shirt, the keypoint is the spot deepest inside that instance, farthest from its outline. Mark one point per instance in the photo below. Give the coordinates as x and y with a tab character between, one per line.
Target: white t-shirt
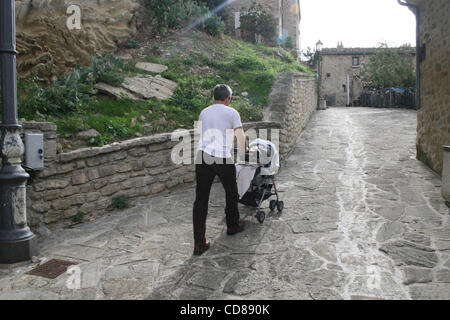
217	130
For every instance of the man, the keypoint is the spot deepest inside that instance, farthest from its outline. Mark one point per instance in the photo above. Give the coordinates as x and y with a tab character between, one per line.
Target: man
214	158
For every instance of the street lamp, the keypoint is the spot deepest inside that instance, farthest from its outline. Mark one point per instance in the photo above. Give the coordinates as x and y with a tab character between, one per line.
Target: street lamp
319	46
17	242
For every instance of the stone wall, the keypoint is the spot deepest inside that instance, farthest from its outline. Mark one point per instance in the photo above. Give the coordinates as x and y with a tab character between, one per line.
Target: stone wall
88	179
47	46
293	99
433	127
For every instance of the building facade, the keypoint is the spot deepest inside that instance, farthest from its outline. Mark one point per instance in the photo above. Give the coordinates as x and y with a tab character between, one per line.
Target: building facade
433	42
286	12
341	68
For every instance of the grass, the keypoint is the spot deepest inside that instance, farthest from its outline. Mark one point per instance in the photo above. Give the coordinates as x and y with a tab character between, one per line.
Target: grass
120	202
244	66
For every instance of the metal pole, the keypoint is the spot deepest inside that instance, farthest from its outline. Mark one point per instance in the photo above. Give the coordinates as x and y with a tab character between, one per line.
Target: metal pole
17	242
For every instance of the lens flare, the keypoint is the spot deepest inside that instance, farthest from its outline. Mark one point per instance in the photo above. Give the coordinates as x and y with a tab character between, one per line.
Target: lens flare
208	15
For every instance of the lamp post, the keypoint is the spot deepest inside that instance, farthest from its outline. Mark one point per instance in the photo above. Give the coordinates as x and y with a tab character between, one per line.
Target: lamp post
17	242
319	45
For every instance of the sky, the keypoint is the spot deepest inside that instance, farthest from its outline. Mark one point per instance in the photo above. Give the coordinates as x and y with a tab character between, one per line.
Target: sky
357	23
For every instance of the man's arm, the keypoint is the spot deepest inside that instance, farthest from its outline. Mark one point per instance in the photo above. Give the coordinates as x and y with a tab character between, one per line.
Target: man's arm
241	140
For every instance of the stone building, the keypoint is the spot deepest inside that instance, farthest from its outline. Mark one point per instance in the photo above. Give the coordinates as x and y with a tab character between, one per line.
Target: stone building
286	12
341	74
433	42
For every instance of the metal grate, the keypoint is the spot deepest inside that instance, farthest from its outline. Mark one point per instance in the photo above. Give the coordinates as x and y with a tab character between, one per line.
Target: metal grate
51	269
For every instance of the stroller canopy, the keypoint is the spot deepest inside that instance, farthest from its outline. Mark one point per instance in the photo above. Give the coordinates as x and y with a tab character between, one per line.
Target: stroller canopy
269	156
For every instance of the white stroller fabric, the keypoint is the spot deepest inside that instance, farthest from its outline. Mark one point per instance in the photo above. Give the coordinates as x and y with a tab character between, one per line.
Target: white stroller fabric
244	176
263	147
246	172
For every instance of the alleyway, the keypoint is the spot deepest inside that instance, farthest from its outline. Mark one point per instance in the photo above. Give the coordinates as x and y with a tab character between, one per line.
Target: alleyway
363	219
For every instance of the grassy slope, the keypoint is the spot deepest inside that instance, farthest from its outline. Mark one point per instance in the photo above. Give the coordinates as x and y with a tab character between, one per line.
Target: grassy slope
197	62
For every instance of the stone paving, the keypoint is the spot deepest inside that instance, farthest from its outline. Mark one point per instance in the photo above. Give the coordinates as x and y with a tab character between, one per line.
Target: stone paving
363	219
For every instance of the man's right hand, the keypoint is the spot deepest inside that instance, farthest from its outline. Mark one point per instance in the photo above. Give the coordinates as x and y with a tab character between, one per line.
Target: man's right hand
241	140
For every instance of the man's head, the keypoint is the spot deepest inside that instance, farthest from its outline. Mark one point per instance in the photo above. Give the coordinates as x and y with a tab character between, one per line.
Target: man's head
222	94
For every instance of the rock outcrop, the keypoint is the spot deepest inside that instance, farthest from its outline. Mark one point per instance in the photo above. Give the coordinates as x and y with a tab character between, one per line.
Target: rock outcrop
147	87
141	87
47	45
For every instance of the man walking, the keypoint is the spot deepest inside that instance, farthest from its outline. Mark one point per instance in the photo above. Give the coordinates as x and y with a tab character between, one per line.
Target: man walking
219	124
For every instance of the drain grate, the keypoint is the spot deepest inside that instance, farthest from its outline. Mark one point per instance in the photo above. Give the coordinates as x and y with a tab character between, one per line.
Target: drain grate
51	269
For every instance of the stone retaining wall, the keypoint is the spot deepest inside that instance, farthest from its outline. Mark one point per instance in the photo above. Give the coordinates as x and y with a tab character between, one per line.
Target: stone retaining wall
87	180
293	100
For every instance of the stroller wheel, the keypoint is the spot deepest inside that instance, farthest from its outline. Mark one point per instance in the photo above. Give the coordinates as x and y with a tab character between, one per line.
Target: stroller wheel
280	206
261	216
272	204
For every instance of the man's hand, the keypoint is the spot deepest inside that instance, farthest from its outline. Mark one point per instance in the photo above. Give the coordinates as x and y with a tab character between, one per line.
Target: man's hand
241	140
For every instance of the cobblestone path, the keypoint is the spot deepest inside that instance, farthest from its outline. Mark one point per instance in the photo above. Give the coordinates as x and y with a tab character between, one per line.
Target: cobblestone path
363	219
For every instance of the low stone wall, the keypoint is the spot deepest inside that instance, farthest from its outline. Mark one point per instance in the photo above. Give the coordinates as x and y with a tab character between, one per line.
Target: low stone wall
293	100
87	180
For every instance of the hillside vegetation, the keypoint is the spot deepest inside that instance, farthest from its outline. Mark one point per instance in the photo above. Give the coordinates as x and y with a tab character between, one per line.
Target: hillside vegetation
197	61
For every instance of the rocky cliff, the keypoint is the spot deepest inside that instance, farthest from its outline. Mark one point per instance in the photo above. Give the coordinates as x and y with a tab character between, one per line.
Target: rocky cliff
48	46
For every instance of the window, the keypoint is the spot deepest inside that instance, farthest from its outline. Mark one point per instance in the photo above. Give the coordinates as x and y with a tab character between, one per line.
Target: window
355	61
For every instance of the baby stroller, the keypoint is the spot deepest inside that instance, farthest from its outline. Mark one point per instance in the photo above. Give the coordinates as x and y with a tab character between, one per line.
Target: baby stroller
255	177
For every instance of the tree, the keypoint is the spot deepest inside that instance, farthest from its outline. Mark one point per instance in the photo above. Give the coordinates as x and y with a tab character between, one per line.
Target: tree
257	21
309	56
390	68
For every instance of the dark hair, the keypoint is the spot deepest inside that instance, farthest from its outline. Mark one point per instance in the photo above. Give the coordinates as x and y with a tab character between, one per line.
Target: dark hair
221	92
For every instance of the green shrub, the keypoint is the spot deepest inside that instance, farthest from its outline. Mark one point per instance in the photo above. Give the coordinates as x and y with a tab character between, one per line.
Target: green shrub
78	217
188	97
110	69
68	93
69	124
213	26
120	202
286	56
98	141
132	44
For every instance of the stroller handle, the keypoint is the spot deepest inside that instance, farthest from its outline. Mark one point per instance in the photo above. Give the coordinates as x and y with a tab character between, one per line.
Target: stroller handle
259	157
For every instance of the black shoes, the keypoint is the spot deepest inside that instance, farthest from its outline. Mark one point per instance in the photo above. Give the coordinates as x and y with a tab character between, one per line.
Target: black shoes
200	249
240	227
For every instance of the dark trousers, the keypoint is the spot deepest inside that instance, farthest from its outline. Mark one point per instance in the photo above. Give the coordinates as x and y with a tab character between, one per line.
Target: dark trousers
205	174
